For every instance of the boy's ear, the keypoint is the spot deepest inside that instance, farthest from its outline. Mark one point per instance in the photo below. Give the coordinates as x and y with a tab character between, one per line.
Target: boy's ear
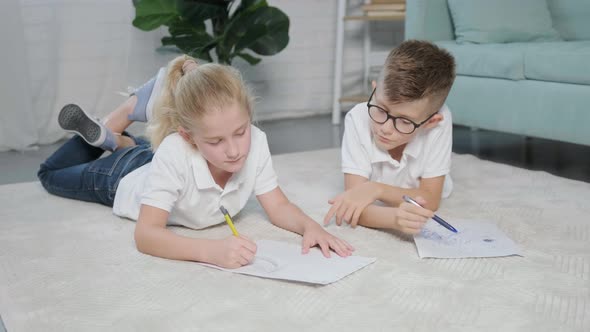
434	120
373	84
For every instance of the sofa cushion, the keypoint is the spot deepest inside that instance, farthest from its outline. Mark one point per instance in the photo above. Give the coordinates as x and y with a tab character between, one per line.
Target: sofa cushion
571	18
488	60
502	21
567	62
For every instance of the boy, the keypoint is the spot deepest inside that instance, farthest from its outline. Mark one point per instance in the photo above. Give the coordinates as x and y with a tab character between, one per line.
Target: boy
399	143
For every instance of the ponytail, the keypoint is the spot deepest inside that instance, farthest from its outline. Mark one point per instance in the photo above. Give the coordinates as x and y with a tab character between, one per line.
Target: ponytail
190	91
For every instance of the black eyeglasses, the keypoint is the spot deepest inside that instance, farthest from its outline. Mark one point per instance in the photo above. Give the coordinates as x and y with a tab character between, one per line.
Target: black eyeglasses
401	124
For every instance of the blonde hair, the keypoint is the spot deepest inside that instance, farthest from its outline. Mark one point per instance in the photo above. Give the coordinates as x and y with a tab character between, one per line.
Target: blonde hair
187	96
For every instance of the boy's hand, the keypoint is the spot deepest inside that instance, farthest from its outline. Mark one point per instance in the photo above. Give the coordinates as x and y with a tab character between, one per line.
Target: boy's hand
410	218
350	204
314	234
232	252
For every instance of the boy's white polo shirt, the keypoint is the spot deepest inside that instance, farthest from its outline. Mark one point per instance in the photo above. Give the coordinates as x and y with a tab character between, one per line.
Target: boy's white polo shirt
427	155
178	180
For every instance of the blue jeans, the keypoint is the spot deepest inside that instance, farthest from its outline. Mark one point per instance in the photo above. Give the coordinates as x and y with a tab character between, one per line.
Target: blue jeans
76	170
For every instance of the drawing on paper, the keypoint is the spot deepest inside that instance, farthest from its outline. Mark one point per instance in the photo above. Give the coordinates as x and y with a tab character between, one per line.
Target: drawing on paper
474	239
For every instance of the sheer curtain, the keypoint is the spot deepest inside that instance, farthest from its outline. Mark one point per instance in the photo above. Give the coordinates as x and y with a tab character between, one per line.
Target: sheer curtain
17	129
69	51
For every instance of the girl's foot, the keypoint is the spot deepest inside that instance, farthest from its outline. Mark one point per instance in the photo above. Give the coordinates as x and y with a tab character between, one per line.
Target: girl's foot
146	96
73	119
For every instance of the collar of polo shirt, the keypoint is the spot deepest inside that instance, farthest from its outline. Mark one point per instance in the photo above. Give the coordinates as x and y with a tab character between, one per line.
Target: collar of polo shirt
413	149
205	180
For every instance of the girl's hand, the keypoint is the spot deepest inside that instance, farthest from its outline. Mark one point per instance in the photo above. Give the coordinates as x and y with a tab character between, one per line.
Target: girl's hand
350	204
410	218
232	252
314	235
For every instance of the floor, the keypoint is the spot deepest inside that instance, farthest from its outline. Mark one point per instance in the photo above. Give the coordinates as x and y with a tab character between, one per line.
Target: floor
312	133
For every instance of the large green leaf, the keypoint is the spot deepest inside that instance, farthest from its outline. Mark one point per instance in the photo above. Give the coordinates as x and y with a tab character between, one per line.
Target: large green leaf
264	31
197	12
277	38
150	14
249	58
179	27
235	29
190	39
189	46
249	6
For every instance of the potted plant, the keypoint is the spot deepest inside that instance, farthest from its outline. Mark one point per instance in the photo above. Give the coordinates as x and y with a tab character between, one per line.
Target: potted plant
226	28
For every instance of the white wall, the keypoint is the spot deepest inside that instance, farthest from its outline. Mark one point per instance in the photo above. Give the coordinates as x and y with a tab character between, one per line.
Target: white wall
83	51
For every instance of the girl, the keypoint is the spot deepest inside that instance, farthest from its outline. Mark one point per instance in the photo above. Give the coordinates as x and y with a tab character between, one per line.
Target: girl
207	154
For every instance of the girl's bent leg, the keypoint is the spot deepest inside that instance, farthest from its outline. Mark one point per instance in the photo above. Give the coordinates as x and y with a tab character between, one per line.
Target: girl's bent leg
97	180
118	120
74	151
106	173
63	173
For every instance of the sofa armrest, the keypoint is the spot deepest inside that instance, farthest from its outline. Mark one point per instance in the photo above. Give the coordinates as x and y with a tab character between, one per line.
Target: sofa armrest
428	20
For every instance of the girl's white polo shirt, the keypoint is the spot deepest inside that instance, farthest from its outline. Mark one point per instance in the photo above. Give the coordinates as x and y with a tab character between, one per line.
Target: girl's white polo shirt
178	180
427	155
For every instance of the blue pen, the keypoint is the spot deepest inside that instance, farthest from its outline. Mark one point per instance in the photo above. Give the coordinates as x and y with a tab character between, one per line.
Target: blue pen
436	218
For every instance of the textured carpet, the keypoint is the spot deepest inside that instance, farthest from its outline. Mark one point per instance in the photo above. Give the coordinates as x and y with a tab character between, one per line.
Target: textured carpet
72	266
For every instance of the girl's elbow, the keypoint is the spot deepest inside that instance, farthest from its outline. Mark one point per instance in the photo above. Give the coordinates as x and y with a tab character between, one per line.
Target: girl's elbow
140	242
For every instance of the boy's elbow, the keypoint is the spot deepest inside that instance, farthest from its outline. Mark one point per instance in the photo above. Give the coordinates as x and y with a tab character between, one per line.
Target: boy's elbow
432	200
433	205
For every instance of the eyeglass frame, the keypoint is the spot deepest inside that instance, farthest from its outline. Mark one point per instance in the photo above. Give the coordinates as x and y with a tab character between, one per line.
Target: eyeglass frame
394	118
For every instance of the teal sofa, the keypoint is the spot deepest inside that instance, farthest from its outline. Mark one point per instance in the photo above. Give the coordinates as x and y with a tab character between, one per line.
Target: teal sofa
535	89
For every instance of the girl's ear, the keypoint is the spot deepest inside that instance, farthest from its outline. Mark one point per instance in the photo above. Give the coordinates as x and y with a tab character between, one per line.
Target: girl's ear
185	135
374	84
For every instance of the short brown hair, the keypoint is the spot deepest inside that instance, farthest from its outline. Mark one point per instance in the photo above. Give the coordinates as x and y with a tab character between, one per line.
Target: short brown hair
417	69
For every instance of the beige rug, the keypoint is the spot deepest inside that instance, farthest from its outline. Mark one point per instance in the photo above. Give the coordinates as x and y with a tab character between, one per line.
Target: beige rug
72	266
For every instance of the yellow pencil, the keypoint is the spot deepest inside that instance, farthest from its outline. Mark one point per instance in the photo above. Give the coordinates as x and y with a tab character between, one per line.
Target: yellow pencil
228	220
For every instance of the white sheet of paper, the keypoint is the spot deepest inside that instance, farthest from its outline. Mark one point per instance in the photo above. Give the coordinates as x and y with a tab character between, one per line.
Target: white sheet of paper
473	239
278	260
